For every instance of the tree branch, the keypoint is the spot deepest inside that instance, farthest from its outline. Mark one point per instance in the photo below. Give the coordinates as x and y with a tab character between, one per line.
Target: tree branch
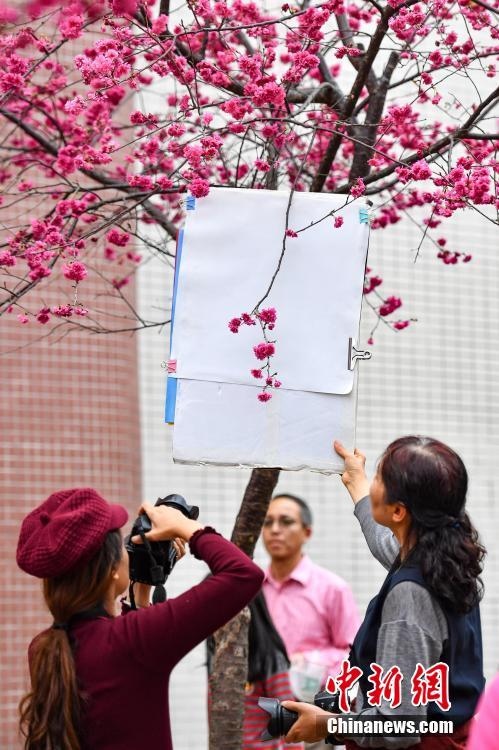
153	211
348	38
367	133
461	134
363	72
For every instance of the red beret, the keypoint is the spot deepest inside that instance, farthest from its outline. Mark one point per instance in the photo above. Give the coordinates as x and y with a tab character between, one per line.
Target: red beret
66	530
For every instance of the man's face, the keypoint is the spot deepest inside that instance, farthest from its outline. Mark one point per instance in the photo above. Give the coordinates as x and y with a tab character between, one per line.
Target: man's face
283	531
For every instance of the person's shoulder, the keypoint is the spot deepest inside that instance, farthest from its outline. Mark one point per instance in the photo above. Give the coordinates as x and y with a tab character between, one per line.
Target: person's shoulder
326	576
414	603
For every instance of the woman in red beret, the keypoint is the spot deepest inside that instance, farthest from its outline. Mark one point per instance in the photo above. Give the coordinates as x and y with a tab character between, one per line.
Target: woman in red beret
100	682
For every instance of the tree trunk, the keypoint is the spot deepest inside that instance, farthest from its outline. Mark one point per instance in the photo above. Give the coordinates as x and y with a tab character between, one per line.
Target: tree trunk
230	661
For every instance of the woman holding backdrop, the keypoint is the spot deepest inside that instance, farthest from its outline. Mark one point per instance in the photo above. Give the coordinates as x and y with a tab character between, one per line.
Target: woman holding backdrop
100	682
425	619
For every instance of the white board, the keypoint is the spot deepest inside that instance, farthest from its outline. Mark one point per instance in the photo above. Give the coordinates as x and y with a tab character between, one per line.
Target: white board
231	244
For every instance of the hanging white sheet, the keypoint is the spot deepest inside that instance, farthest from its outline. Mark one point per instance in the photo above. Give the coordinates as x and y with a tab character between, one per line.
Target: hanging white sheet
229	250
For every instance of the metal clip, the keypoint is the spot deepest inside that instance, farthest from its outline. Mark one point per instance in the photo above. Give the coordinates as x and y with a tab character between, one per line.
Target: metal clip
355	354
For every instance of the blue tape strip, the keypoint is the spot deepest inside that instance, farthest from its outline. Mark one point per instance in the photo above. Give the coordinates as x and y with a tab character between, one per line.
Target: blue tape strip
363	216
190	203
171	399
171	383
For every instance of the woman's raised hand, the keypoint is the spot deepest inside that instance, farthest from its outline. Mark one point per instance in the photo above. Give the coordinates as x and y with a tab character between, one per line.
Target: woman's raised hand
167	523
354	477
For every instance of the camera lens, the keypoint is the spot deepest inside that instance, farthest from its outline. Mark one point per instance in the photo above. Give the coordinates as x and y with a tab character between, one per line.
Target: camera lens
281	720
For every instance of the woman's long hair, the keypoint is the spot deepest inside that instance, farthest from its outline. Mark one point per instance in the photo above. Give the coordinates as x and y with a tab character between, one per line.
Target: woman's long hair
51	711
430	479
267	653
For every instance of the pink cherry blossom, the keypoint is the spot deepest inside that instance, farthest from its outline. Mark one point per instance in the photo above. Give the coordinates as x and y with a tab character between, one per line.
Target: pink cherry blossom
269	315
264	396
358	188
160	24
74	271
110	172
199	187
115	237
234	324
264	350
43	315
420	170
390	305
247	319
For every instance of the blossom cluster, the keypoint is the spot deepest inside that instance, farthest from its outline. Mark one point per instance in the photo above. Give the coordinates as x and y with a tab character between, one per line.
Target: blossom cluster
264	351
258	99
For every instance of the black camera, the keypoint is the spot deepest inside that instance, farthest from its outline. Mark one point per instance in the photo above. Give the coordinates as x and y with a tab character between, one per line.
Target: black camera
152	562
281	719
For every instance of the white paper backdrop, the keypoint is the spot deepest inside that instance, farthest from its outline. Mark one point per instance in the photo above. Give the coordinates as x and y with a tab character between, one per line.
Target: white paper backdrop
231	245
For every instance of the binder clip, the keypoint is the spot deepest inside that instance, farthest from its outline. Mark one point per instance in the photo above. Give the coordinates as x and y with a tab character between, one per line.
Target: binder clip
354	355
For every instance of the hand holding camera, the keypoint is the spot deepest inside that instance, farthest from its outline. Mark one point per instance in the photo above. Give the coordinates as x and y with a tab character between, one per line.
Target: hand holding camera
300	721
156	541
167	523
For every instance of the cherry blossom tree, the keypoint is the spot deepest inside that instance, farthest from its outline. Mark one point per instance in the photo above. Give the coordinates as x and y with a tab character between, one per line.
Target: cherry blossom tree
355	97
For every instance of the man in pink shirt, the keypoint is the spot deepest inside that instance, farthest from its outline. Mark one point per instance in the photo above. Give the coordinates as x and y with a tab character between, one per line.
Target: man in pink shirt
312	608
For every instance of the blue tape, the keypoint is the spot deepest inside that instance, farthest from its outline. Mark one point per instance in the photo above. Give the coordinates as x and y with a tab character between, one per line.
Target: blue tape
171	399
190	203
363	216
171	383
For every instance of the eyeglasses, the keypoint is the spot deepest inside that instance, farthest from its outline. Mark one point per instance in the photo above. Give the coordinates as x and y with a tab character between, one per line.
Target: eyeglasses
283	522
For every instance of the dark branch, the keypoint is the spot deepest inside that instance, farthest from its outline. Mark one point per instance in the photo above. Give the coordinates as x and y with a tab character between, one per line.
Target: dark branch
461	134
367	133
103	179
348	38
363	72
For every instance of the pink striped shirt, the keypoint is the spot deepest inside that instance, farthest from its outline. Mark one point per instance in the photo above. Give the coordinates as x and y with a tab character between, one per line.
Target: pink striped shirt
315	613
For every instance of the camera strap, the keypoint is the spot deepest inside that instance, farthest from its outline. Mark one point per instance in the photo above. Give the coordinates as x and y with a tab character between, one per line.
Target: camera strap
156	571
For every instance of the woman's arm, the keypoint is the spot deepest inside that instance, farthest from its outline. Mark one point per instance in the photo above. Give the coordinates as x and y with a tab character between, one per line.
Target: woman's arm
160	636
380	540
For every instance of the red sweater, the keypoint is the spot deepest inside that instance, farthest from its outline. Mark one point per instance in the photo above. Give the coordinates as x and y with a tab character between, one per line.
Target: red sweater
124	663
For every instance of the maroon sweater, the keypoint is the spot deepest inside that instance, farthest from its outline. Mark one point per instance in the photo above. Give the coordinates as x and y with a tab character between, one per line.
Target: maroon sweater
124	663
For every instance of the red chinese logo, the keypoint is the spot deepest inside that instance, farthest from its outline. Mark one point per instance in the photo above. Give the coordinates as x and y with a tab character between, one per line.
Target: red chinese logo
344	680
387	687
431	684
427	685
